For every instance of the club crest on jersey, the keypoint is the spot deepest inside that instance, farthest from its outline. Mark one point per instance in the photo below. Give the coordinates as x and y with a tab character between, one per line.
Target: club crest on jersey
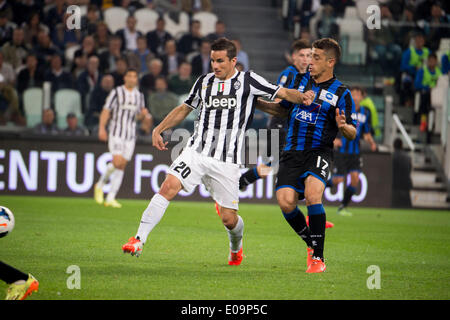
237	85
221	102
328	97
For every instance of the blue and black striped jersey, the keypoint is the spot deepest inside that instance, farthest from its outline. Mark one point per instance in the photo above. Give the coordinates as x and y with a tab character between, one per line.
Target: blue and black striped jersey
362	127
314	126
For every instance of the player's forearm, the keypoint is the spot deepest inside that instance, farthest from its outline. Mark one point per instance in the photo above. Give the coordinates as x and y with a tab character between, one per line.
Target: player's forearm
104	117
271	108
175	117
348	131
291	95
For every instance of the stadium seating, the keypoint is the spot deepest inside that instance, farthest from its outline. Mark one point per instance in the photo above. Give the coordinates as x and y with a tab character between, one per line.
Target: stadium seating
438	102
174	28
352	38
32	105
146	20
208	22
115	18
67	100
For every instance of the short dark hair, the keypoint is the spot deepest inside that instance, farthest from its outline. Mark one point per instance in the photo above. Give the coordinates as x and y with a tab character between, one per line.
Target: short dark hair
223	44
330	46
432	55
300	44
398	144
131	70
357	88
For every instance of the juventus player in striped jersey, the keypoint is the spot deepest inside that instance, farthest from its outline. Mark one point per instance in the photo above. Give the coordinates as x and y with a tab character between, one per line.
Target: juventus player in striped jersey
124	105
212	156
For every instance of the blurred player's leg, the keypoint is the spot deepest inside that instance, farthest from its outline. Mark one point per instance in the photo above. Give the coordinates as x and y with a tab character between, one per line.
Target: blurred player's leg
349	192
21	285
98	188
119	163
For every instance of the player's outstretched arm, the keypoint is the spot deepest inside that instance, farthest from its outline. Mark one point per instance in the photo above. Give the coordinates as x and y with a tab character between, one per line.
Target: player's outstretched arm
171	120
368	137
104	117
295	96
347	130
272	108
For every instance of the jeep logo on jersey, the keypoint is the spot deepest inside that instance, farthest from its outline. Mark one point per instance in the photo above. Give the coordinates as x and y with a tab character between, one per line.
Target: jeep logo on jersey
222	102
128	107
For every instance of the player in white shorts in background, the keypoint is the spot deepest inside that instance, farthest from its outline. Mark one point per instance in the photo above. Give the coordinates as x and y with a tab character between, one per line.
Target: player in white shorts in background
123	107
213	153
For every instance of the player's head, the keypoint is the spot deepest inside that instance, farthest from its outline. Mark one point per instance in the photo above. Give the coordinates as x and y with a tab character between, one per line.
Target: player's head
432	61
223	58
130	78
301	54
325	55
357	95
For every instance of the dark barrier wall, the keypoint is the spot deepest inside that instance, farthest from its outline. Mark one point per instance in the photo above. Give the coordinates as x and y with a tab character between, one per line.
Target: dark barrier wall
71	168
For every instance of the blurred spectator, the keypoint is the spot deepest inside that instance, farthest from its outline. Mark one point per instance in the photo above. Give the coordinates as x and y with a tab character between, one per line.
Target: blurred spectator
406	31
58	78
143	54
90	20
192	40
6	9
445	64
97	100
102	36
30	76
368	103
201	64
45	49
109	57
161	102
171	59
220	32
32	28
15	51
7	71
436	28
55	15
63	37
6	29
87	48
412	60
193	6
73	129
305	11
401	176
426	79
78	66
129	35
182	82
383	42
47	126
147	83
9	105
327	26
89	79
173	7
156	39
119	73
242	56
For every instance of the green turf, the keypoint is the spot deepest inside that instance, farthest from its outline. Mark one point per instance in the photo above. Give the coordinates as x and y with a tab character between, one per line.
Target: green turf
186	255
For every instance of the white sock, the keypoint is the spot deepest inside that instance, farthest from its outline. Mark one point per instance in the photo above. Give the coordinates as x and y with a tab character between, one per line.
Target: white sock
116	182
105	176
235	235
151	216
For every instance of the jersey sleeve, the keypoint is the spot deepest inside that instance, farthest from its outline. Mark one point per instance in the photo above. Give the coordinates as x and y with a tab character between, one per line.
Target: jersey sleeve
142	101
347	104
260	87
111	100
194	99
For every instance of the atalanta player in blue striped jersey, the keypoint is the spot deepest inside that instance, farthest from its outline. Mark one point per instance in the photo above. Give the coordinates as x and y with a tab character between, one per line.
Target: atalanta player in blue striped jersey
348	158
306	158
289	78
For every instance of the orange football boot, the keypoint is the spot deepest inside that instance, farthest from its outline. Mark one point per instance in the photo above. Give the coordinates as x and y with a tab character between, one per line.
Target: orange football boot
316	266
235	258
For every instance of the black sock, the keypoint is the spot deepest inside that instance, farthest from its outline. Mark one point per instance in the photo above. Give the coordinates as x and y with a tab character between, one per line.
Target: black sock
10	274
349	192
297	221
317	220
248	178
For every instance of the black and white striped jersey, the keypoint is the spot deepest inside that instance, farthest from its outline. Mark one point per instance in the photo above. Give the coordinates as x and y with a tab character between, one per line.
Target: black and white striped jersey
226	110
124	106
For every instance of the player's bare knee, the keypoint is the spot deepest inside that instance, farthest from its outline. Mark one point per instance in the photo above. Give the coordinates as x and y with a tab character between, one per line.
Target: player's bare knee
229	217
287	203
169	189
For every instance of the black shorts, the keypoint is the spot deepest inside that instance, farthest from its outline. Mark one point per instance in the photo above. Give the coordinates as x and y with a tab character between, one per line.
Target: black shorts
296	166
346	163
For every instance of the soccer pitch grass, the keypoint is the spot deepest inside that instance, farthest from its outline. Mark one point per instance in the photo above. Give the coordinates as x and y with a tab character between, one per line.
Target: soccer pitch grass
186	255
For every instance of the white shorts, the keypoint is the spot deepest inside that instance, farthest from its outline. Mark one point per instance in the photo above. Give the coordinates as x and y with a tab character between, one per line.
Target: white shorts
221	179
121	147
